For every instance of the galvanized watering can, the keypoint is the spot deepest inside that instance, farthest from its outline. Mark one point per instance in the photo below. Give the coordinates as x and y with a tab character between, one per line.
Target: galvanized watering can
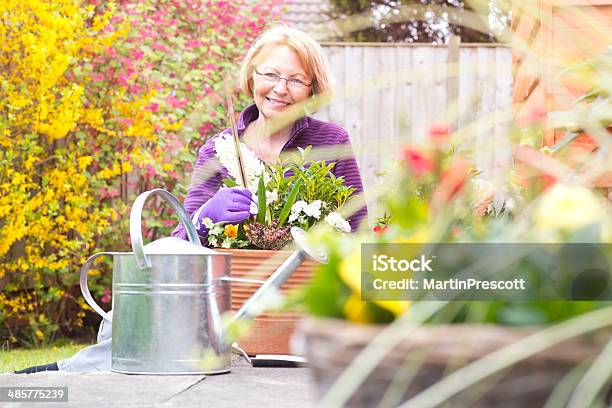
169	297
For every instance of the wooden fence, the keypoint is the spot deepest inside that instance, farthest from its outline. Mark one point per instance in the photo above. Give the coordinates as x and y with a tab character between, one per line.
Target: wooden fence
389	94
558	34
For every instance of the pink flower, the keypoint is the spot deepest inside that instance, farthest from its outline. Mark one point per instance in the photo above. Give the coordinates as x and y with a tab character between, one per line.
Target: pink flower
107	296
97	77
111	52
150	171
137	55
193	44
159	47
417	162
438	133
176	102
109	192
168	223
135	89
154	107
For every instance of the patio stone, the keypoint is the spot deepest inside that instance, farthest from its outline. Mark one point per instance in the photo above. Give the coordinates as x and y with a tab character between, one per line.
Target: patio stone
244	386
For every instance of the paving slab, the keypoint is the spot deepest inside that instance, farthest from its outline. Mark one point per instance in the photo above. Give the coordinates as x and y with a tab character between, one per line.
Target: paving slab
245	386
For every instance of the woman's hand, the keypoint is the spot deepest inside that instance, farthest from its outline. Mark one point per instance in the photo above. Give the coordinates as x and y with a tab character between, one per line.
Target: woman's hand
228	204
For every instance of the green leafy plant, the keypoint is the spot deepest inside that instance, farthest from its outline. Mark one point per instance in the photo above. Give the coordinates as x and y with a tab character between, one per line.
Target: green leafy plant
295	192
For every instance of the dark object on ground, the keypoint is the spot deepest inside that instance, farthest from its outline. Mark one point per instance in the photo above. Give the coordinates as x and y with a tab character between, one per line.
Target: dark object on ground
277	360
39	368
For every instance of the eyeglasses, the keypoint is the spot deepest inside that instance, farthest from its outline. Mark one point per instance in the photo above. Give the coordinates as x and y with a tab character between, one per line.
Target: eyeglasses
293	83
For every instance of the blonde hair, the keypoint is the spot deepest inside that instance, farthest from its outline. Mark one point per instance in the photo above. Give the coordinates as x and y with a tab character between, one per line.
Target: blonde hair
309	52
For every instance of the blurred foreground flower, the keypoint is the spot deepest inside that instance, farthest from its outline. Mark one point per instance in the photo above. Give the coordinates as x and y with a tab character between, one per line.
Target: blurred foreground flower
565	209
417	162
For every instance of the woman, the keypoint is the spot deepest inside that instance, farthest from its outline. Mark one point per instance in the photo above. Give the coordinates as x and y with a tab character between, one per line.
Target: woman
282	70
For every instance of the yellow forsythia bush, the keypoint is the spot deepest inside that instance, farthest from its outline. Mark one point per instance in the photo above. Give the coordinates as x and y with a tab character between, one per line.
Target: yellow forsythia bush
98	103
59	147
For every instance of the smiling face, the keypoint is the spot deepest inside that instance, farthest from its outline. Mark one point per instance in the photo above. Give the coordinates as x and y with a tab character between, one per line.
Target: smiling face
272	99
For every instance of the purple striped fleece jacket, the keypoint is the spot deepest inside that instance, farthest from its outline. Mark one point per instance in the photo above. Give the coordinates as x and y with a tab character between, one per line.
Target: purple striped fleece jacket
306	131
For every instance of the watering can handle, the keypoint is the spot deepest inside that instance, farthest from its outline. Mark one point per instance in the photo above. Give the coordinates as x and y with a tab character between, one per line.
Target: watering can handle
136	219
85	289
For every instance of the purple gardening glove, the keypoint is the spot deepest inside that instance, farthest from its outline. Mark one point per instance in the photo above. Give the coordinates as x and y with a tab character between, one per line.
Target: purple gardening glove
228	204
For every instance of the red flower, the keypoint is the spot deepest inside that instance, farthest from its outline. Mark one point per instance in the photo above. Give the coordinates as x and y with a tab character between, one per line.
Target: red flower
380	229
418	163
438	133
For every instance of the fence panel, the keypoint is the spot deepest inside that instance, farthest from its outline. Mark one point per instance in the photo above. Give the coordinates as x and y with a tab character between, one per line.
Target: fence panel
389	94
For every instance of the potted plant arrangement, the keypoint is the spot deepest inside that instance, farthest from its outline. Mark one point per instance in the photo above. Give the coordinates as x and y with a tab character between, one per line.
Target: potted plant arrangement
296	191
427	353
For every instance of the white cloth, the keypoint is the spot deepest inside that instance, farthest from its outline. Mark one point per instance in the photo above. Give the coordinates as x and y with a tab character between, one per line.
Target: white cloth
92	358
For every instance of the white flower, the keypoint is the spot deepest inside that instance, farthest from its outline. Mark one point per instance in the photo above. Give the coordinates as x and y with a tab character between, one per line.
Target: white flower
207	222
296	209
271	196
335	220
253	167
227	243
313	209
298	206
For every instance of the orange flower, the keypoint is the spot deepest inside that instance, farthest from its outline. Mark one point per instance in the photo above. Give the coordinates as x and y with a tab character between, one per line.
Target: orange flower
452	181
231	231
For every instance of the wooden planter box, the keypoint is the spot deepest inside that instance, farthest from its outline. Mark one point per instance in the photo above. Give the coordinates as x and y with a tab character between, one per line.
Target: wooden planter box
426	354
270	332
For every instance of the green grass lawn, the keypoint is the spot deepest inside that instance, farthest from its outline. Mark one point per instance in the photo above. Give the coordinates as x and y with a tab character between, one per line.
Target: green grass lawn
17	359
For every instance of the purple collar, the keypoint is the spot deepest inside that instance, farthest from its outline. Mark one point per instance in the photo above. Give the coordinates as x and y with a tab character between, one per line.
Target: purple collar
250	113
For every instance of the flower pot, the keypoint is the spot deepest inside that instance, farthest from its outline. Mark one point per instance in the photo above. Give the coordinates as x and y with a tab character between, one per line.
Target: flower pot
426	354
269	332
